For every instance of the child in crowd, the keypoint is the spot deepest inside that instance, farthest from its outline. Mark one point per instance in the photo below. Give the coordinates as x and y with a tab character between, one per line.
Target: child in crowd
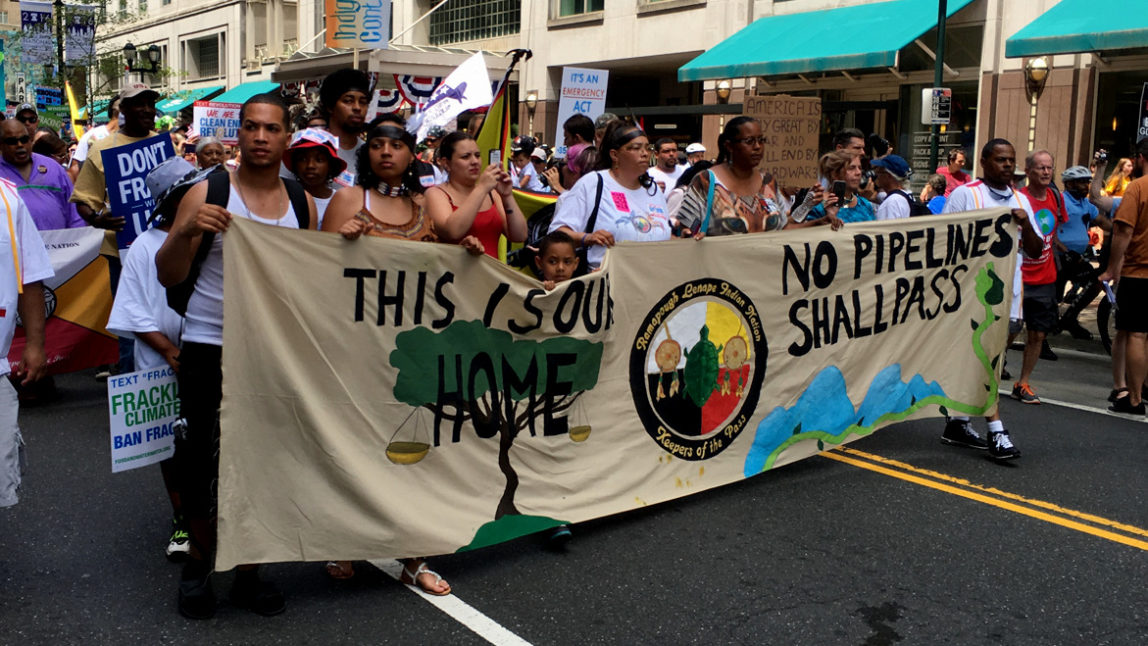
557	259
314	160
140	308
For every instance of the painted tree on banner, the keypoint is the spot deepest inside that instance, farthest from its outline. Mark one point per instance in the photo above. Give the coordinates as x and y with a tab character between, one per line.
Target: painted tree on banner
501	386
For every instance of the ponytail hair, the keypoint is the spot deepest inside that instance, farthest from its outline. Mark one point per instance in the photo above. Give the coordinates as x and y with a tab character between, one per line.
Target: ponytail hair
728	134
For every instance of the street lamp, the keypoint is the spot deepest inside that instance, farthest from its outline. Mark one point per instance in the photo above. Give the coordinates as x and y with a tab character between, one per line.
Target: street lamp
1036	72
531	103
723	91
151	54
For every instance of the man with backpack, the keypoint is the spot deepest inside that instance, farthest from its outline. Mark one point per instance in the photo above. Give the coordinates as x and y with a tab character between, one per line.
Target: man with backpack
892	173
1039	274
190	265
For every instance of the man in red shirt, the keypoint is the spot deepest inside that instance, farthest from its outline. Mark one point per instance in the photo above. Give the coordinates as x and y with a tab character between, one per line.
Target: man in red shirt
1039	274
954	173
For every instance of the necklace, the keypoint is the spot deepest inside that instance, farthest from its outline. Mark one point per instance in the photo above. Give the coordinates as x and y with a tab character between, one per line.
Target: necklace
391	191
250	213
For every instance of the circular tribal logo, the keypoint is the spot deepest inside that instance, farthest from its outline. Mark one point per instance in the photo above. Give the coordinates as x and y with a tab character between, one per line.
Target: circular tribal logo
697	366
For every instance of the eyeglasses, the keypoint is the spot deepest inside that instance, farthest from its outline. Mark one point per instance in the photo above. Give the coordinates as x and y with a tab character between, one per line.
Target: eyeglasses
12	141
749	141
26	119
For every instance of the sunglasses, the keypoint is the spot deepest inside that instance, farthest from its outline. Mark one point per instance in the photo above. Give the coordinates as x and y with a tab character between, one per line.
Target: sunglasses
25	119
12	141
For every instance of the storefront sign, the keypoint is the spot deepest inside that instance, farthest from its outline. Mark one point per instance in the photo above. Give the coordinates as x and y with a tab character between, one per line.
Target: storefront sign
125	169
210	119
355	24
142	409
918	156
583	92
790	125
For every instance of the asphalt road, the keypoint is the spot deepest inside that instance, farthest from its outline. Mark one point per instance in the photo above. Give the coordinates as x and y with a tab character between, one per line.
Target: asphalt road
895	540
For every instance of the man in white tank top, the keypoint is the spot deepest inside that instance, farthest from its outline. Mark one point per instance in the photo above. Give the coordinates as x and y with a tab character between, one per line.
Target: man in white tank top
257	193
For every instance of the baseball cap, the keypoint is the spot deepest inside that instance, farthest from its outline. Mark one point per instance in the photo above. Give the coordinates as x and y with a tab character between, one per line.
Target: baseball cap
314	138
170	179
1075	172
695	148
26	106
539	154
895	164
134	90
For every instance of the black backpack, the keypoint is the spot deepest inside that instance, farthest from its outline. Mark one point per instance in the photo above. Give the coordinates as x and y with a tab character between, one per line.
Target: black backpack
916	207
218	193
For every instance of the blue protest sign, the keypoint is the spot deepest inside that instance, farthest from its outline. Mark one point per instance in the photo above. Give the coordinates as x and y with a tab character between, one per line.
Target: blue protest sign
125	168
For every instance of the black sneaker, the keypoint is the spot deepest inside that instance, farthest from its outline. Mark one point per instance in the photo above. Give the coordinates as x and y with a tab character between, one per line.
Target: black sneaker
1046	353
1077	331
196	597
1115	394
258	596
960	433
1001	448
558	538
1124	405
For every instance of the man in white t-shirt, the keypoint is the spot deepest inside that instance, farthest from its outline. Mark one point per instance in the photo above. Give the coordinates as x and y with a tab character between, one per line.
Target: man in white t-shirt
92	135
254	192
666	170
998	160
24	264
344	96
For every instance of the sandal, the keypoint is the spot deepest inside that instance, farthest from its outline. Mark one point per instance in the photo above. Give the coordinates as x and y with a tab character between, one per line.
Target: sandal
340	570
409	578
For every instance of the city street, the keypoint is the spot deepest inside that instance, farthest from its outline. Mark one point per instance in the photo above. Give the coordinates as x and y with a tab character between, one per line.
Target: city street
894	539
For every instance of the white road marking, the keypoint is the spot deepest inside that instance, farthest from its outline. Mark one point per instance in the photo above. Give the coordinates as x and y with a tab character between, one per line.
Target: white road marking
1088	409
457	609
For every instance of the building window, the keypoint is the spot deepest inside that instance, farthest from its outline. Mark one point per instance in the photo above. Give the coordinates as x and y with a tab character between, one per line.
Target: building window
466	20
201	57
143	6
578	7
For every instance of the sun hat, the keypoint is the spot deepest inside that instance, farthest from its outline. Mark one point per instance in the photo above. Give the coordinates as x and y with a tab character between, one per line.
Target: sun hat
695	148
314	138
170	179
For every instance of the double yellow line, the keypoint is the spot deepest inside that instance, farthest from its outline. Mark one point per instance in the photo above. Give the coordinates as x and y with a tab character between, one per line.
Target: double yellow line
1051	513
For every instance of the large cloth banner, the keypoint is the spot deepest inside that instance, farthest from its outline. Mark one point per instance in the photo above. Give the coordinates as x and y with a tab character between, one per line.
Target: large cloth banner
387	398
38	41
125	172
78	300
81	34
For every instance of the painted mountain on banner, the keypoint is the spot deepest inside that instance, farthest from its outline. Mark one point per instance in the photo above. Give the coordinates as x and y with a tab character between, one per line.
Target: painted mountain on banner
824	412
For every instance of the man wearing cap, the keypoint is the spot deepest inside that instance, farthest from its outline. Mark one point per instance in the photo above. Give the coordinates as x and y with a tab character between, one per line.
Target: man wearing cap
1039	273
27	115
25	264
666	170
92	135
1073	242
137	104
43	184
600	124
892	173
344	97
695	152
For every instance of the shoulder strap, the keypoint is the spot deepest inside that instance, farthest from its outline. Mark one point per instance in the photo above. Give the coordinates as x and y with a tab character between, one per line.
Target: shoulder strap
597	204
447	194
712	180
218	189
298	197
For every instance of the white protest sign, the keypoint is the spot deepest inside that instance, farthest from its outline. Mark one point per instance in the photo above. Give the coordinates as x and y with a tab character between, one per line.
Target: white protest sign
210	119
142	408
583	92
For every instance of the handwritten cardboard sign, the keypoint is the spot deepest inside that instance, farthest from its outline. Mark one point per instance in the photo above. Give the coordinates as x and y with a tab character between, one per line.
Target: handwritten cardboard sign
791	125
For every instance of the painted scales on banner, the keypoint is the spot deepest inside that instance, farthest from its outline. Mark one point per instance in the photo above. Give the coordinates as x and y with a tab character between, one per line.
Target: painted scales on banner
422	401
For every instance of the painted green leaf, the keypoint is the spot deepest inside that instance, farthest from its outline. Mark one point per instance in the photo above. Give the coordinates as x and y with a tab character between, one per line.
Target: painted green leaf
820	445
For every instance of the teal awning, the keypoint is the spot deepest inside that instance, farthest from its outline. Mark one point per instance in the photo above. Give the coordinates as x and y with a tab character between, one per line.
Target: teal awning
99	111
180	100
242	92
855	37
1074	26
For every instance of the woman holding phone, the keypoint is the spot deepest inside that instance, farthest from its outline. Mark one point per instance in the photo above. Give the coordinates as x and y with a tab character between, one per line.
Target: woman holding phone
843	202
